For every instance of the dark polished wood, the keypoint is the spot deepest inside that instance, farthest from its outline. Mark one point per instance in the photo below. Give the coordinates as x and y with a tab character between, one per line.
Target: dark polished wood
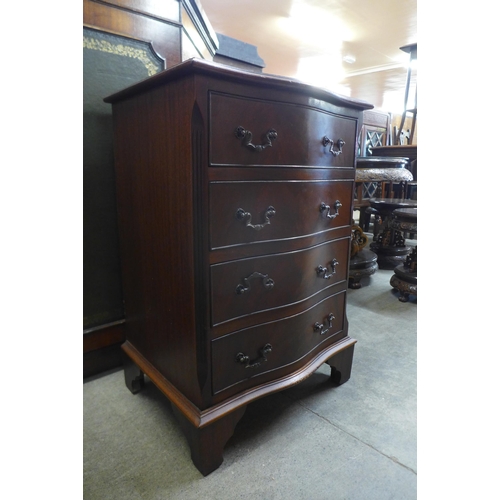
102	347
363	264
134	376
291	123
213	438
103	336
409	214
147	20
388	205
298	212
384	208
404	278
286	348
405	220
341	365
388	238
408	151
295	277
216	316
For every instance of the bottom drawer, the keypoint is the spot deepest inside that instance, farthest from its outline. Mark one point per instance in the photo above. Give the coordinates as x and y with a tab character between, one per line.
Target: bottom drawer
253	354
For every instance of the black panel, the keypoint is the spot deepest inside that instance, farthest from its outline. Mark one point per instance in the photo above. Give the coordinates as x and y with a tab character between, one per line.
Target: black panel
110	63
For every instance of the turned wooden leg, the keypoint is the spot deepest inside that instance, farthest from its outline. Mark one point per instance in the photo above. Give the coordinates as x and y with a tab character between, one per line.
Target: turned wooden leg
341	365
134	377
207	443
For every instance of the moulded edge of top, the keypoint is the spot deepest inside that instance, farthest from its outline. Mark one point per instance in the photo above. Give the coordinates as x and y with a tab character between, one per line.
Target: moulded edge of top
202	66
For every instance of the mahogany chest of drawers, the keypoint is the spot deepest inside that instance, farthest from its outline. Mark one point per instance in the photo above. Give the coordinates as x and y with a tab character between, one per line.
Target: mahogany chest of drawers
234	194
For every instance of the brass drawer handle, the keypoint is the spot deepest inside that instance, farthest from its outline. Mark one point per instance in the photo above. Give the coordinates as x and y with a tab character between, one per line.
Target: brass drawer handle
340	144
322	272
242	133
324	207
242	215
266	281
245	360
323	328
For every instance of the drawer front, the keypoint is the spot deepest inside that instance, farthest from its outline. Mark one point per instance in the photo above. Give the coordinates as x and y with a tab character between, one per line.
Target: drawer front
254	353
241	134
247	286
248	212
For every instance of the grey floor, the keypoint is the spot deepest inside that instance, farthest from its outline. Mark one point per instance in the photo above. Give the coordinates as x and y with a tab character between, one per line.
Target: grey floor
312	442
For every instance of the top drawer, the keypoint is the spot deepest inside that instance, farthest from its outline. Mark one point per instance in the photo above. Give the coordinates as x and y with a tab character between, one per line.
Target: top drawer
252	132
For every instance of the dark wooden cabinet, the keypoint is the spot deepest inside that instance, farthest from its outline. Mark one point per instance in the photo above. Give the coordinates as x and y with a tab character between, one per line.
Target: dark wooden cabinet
235	195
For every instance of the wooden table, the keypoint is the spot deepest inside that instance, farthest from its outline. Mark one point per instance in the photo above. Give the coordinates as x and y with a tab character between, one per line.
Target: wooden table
385	207
405	220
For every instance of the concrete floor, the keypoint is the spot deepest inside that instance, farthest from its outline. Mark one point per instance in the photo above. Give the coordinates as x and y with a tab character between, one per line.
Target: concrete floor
311	442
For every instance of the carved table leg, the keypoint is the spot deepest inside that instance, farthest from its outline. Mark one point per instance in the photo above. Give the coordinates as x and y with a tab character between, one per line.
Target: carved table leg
134	377
341	365
207	443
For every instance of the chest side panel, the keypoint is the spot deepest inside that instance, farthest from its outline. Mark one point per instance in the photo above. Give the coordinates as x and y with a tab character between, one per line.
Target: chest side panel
155	204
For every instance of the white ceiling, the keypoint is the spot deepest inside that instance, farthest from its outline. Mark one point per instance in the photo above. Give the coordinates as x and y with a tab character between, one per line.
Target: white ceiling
308	39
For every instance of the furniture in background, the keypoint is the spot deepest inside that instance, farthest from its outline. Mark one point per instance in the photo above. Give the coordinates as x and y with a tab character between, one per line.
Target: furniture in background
235	198
409	152
381	177
363	262
399	133
375	132
404	278
408	191
405	220
388	239
387	244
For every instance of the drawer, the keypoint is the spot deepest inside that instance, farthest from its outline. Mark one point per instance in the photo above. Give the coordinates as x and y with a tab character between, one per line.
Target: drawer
254	353
248	286
241	133
248	212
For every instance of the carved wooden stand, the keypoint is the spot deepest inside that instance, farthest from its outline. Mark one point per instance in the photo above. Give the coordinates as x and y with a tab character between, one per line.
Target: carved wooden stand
388	239
391	250
405	275
404	278
363	264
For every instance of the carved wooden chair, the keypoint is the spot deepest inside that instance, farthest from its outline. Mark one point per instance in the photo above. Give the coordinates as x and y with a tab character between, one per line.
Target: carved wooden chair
375	132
